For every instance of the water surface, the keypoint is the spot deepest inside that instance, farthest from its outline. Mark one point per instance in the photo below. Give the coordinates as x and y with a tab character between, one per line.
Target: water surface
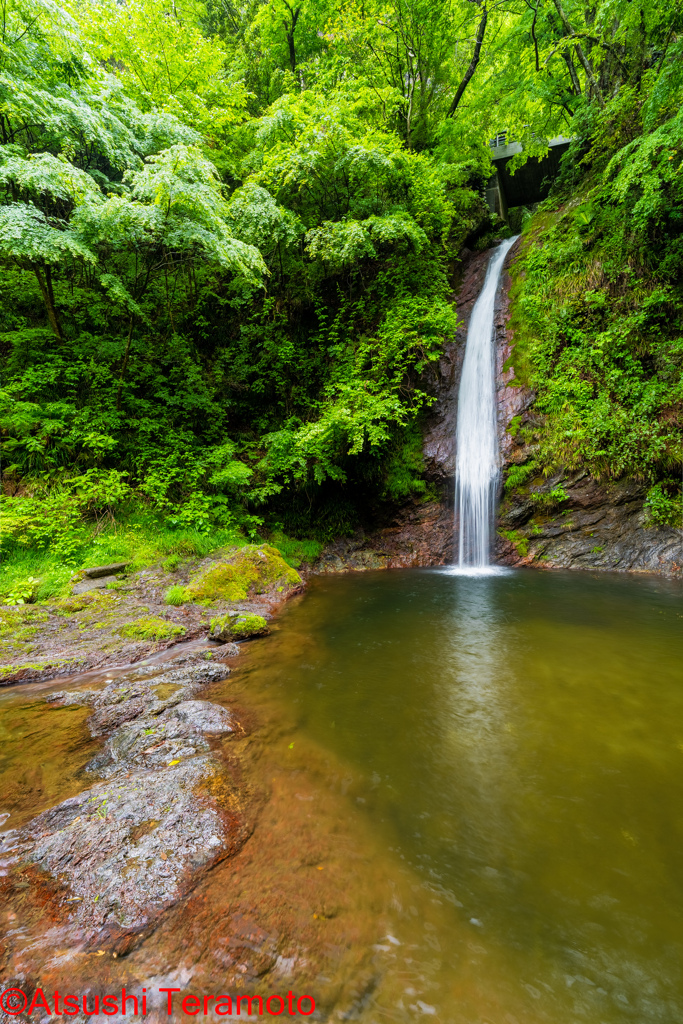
466	799
519	740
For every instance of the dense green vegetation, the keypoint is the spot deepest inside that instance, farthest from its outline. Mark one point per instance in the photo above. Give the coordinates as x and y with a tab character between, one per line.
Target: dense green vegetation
230	234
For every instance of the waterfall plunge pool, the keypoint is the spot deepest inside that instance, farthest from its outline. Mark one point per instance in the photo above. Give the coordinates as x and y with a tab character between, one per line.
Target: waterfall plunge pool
516	743
474	804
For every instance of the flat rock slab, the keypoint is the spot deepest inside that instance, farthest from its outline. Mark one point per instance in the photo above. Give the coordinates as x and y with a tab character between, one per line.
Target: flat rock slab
95	571
127	848
164	810
97	584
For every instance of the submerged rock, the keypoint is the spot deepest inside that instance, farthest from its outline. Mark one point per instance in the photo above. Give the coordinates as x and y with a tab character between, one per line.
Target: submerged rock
128	848
164	811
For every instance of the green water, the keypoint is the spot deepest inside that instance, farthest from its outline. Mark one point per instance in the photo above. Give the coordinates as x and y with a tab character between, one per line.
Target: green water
519	740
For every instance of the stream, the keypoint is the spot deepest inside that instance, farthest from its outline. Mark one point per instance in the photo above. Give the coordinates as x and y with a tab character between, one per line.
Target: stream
470	802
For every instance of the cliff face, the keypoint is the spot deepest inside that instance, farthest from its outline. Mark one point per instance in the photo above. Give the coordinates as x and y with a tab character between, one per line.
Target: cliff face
597	526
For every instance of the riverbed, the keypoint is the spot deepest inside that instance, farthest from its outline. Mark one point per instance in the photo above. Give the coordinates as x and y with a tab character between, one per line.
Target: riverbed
466	803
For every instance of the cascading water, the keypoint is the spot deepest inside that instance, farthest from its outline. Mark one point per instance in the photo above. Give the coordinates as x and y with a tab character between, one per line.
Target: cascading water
477	458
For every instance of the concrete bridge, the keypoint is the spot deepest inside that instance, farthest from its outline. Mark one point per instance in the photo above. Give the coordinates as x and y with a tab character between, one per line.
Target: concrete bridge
530	184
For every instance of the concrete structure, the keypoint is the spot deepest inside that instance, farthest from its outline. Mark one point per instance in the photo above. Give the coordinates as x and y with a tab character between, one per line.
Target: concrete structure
530	184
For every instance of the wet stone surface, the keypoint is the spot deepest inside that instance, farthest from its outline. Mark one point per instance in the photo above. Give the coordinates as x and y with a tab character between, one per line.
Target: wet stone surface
164	808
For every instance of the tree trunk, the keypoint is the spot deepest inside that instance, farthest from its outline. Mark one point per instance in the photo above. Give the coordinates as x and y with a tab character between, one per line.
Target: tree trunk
45	285
472	65
576	84
597	92
289	30
124	365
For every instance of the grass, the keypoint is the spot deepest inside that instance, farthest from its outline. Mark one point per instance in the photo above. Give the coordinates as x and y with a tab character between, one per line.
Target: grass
139	541
294	551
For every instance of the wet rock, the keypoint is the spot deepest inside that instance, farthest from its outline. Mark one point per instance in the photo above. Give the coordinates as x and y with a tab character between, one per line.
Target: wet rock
137	693
443	378
204	716
164	810
86	585
598	526
128	848
96	571
419	534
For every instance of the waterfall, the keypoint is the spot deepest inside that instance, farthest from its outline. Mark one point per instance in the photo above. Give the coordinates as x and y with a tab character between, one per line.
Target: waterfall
477	458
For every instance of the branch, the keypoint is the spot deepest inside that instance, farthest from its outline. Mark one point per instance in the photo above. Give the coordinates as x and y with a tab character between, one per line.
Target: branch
591	39
472	66
580	54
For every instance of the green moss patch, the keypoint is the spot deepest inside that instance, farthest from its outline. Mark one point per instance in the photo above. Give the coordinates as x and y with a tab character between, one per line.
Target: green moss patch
150	627
234	626
251	569
38	666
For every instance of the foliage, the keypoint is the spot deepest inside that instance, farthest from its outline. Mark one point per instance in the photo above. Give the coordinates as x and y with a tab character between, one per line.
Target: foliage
295	551
229	236
22	592
598	308
663	507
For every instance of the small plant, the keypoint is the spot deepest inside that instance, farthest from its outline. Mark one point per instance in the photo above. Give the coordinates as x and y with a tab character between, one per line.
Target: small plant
663	509
550	499
518	475
172	564
175	595
520	542
22	592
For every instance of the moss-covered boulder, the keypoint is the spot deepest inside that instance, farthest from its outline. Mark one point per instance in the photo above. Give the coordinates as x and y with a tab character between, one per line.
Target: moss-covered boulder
237	626
150	627
249	571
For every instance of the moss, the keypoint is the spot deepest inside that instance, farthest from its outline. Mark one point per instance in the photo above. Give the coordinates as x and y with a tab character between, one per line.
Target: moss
249	625
234	626
150	628
76	603
38	666
251	569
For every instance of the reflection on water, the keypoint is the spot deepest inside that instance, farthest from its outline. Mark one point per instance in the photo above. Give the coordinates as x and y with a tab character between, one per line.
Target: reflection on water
475	803
521	738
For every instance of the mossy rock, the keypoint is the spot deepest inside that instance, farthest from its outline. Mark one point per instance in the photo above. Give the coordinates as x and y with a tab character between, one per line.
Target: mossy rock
150	627
75	603
251	569
235	626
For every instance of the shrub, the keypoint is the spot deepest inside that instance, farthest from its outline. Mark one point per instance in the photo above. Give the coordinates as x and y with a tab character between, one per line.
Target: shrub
663	509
